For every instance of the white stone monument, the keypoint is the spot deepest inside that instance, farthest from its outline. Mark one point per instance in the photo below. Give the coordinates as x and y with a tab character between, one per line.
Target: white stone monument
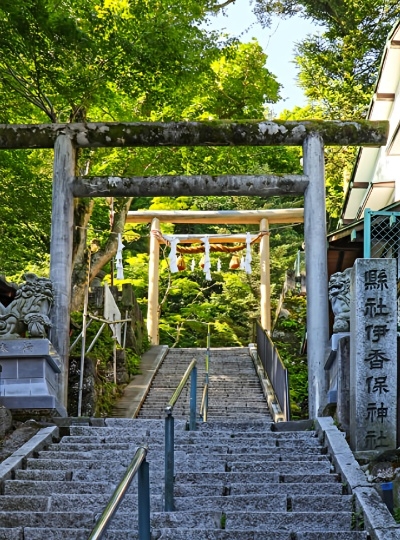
373	355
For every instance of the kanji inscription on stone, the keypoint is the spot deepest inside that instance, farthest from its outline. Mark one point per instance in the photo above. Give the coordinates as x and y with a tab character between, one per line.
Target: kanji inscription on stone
373	354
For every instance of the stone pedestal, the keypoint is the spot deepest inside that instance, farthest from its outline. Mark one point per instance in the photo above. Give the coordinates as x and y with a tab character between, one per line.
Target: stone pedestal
332	367
373	355
343	384
29	376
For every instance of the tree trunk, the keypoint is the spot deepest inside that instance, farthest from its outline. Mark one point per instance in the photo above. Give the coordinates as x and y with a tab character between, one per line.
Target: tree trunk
99	259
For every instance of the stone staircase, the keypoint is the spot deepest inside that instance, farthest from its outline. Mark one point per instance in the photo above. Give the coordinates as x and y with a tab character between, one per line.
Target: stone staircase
239	476
236	391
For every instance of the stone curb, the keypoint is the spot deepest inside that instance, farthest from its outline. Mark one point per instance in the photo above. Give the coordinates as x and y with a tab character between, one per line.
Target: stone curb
44	437
159	360
378	521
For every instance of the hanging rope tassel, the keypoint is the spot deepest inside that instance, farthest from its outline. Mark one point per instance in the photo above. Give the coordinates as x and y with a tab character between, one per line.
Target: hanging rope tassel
207	263
118	258
248	259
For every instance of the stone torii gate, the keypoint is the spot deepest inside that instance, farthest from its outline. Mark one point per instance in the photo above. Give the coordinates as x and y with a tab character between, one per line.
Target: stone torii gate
311	135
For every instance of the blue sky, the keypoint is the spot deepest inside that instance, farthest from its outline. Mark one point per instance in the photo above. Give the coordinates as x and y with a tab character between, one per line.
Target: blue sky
277	42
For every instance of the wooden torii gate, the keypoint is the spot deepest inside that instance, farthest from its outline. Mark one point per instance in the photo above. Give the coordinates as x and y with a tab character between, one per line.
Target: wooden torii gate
263	218
311	135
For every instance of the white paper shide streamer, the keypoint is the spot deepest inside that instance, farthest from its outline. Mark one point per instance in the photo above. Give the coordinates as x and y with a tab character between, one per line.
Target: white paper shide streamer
219	265
242	264
193	265
248	259
118	258
207	263
172	254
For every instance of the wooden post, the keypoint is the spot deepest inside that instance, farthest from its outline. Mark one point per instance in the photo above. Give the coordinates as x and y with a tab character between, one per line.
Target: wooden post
316	273
61	253
265	278
152	307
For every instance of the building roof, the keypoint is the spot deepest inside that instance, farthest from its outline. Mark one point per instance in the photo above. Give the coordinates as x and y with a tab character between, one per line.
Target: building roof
370	187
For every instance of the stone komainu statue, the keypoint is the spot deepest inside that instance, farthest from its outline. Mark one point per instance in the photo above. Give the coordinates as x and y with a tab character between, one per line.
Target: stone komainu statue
339	296
28	312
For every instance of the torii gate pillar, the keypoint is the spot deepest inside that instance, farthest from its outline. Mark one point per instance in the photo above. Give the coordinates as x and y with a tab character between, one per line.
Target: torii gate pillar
316	272
61	253
152	306
265	279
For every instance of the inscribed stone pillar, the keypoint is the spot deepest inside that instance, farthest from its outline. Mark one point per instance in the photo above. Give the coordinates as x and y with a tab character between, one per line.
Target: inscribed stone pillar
373	355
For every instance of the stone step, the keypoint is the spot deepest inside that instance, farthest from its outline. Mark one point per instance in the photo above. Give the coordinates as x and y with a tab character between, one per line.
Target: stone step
259	503
69	503
265	489
283	467
203	446
183	534
46	488
88	447
90	474
268	500
70	465
231	521
289	521
253	477
16	533
213	452
321	503
229	463
24	503
47	519
125	435
189	455
40	475
112	471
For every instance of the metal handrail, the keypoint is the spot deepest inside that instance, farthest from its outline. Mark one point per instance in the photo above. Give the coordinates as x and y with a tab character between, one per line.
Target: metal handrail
181	386
138	465
169	431
204	403
274	368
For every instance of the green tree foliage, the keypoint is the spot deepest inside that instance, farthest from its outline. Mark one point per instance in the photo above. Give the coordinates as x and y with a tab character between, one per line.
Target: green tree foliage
338	66
71	60
25	193
119	60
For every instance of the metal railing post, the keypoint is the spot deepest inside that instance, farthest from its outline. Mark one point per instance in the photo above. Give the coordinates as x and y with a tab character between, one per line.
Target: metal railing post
138	466
206	401
193	394
367	233
169	461
144	501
